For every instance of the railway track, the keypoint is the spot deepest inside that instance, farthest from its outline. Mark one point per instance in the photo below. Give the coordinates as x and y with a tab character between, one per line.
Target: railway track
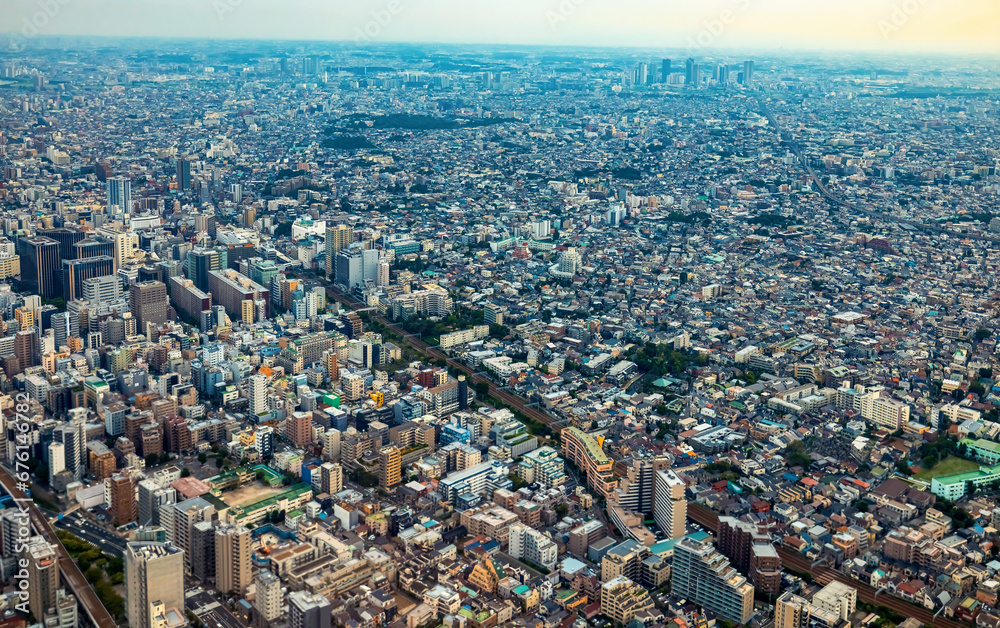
512	400
794	561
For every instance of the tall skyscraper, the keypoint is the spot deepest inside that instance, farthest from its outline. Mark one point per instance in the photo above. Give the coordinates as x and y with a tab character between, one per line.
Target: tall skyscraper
232	559
338	238
154	572
689	72
148	303
665	71
748	69
200	262
76	271
120	194
183	174
39	263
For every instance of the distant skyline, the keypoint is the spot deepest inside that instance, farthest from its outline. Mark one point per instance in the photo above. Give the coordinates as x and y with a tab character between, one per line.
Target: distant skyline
698	26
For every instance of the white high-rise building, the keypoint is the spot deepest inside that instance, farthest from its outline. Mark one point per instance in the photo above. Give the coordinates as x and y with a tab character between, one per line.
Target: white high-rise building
100	290
530	545
257	392
57	458
383	273
669	505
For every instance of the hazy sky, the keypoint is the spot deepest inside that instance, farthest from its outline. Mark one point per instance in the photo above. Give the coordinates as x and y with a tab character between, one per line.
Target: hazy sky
699	25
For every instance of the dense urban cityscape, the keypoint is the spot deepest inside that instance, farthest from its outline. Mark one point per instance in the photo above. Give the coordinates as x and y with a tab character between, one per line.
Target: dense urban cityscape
318	335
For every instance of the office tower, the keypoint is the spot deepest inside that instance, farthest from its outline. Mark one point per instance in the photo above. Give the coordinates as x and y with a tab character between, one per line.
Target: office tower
257	393
124	508
308	610
203	556
356	267
120	195
148	303
40	257
665	71
689	72
237	293
43	576
704	577
249	216
154	572
67	238
622	600
65	325
76	271
338	238
642	74
748	69
93	247
236	191
200	262
232	559
669	505
267	603
183	174
389	468
722	74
